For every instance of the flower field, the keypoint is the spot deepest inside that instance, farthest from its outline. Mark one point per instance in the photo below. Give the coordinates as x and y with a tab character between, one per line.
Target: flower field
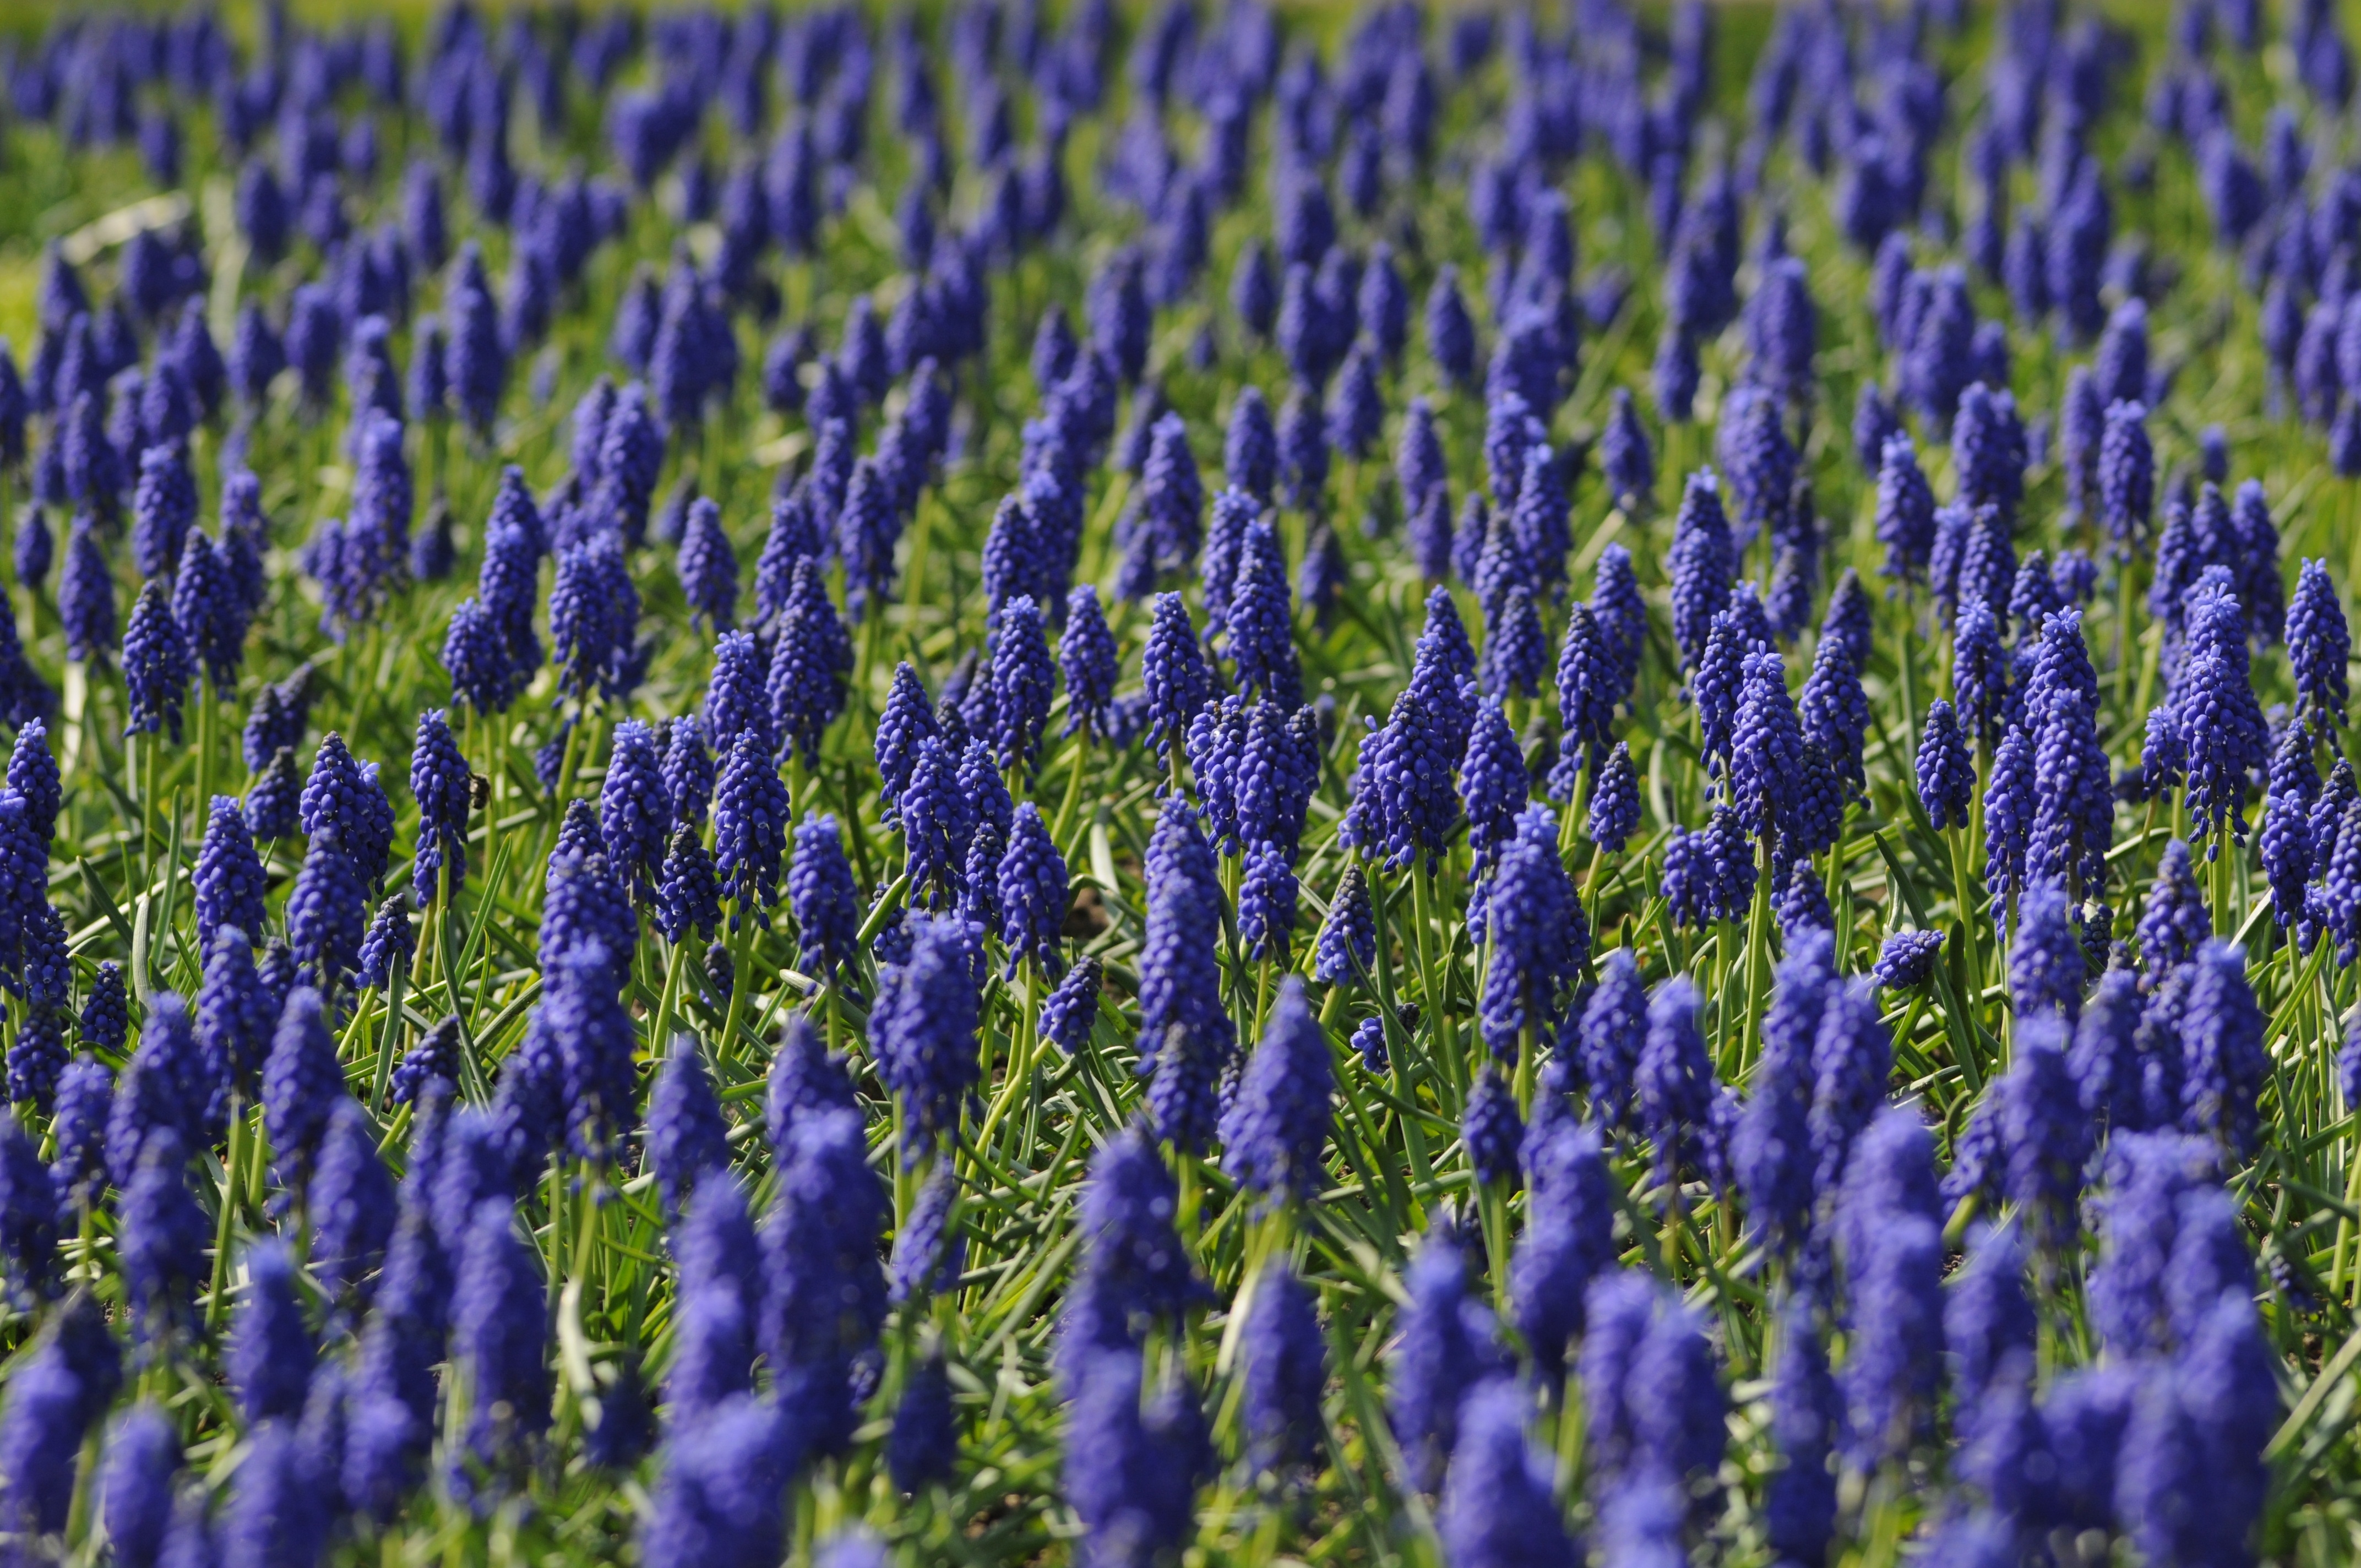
1180	783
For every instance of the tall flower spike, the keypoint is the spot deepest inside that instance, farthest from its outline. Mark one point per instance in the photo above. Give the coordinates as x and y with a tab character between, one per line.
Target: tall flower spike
1348	936
1614	801
1700	565
1625	457
634	809
86	595
688	894
1086	656
29	1212
1607	1039
1173	672
1588	683
2221	1034
1569	1239
938	822
718	1493
1285	1367
2047	968
2289	852
301	1083
1260	633
343	795
1446	1345
1766	750
1179	989
2164	756
684	1129
1536	934
1771	1152
498	1317
2008	814
79	1128
142	1455
1647	1374
906	720
156	667
1892	1372
2320	647
1674	1078
442	784
1493	778
689	773
164	508
1946	772
327	911
1278	1122
1833	708
2221	724
750	825
2175	922
709	567
271	1349
32	772
389	947
1021	682
827	1290
227	884
1498	1507
1132	1465
2127	471
931	1246
820	893
2074	822
805	684
925	1022
161	1241
2044	1135
1033	890
1800	1505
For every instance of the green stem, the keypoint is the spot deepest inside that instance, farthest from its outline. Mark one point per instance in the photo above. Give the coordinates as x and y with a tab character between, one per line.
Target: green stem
1909	672
1758	952
1077	756
1020	1060
1434	998
232	1163
205	705
741	983
2225	870
147	745
388	1034
1964	889
1399	1051
659	1036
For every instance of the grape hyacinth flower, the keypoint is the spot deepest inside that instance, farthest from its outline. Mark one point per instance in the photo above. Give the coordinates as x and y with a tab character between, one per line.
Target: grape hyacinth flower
227	884
820	893
1569	1238
1285	1363
926	1019
1648	1385
1446	1345
1279	1121
156	667
1946	771
1906	961
750	823
709	568
2318	649
443	785
1497	1506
